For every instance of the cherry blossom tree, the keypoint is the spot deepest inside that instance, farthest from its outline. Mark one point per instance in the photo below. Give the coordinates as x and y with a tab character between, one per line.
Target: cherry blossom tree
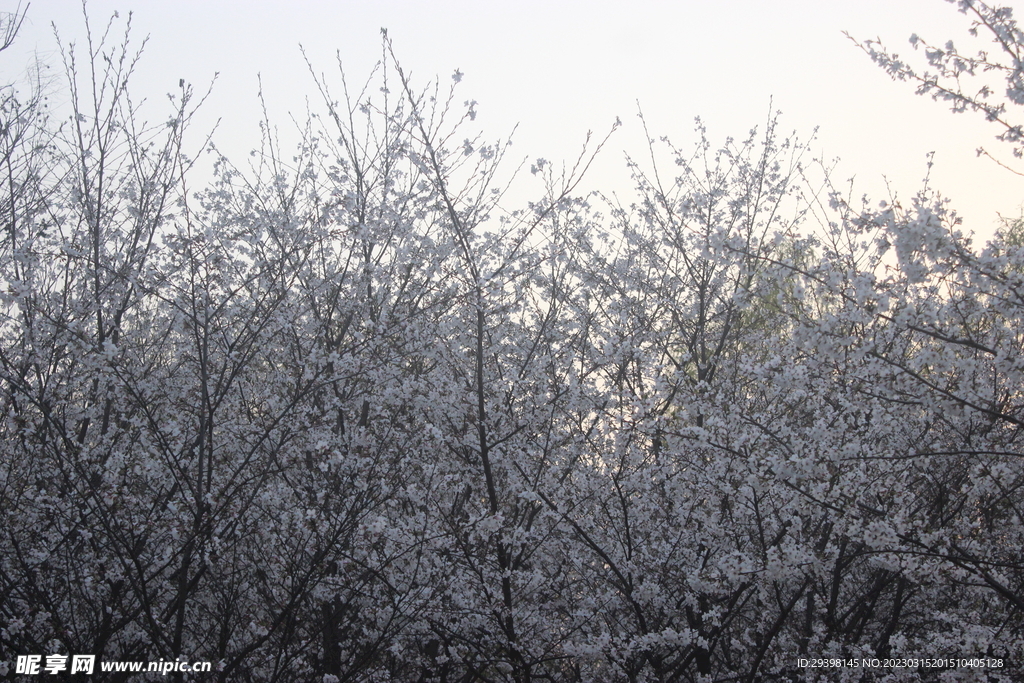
349	413
990	82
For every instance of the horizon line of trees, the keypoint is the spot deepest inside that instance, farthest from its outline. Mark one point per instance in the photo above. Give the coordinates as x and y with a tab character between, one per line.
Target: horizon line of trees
346	416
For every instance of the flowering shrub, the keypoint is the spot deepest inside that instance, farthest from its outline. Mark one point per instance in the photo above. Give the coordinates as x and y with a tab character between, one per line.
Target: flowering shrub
346	416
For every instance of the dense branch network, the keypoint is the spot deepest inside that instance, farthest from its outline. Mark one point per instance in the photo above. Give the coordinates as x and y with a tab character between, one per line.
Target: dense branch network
347	415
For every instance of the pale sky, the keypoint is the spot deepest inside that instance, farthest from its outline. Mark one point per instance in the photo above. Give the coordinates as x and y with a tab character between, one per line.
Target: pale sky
561	68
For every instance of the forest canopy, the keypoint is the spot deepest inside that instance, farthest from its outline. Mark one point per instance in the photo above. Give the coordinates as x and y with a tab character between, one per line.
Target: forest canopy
349	414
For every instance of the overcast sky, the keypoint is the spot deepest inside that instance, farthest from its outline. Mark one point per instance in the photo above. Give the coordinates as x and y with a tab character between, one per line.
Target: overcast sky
561	68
